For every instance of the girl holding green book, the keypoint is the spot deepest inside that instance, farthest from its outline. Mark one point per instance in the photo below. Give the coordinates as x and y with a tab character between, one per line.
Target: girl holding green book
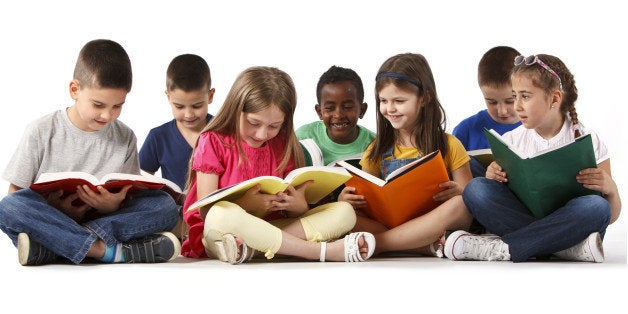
545	96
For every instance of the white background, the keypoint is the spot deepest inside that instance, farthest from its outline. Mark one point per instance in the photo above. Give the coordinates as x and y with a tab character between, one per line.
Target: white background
40	41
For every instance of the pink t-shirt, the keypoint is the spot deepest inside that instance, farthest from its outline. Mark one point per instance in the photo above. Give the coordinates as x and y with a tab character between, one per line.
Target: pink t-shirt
216	153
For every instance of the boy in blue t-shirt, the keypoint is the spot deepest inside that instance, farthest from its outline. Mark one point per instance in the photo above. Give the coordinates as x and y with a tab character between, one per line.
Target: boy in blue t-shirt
169	146
494	80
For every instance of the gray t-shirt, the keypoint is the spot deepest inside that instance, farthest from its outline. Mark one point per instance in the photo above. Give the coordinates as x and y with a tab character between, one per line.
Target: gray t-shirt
53	144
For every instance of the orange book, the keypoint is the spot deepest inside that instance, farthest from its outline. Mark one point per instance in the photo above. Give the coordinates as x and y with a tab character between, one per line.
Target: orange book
405	194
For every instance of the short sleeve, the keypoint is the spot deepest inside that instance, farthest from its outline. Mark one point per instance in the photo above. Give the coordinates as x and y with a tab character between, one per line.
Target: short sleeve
207	152
148	154
456	155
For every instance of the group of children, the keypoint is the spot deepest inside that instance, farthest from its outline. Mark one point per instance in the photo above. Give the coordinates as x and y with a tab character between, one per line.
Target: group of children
529	99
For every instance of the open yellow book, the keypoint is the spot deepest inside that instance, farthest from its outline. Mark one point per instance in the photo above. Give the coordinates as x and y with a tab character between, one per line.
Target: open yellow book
326	180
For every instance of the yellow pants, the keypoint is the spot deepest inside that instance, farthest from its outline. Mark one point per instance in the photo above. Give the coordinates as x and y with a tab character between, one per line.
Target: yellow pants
322	223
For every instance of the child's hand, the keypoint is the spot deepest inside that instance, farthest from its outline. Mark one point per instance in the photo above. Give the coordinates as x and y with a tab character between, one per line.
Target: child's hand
293	200
103	201
598	180
255	201
494	171
452	188
348	195
65	205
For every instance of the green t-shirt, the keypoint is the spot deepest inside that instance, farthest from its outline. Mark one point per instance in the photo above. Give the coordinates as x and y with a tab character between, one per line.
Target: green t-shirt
331	150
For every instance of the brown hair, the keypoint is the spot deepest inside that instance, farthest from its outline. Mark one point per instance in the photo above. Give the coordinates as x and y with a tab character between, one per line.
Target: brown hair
495	66
188	72
543	79
103	63
412	73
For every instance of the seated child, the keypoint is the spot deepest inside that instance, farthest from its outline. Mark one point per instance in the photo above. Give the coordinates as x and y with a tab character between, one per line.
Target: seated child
169	146
107	226
340	97
494	80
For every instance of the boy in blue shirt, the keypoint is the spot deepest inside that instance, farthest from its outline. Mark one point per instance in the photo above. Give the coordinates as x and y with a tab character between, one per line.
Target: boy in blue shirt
169	146
107	226
340	96
494	80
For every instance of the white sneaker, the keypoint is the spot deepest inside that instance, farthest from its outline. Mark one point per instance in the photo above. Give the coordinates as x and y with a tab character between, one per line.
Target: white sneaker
462	245
589	250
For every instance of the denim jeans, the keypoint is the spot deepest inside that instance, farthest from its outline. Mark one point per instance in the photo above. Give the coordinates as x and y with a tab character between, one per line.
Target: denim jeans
143	213
500	211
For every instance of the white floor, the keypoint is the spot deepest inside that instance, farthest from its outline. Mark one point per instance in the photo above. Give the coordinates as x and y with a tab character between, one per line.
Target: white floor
409	284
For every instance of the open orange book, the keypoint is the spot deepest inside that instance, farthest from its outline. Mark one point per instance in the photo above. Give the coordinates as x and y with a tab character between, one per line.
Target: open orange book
405	194
68	181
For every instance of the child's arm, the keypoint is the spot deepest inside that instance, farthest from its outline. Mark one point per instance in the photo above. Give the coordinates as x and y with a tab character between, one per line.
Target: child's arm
348	195
103	201
251	201
600	179
292	200
461	177
495	172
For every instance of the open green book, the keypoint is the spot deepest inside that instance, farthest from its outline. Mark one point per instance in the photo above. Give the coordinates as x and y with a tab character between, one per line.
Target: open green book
546	180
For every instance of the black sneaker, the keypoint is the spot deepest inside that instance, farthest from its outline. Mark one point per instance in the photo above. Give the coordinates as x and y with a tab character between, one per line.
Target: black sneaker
155	248
31	253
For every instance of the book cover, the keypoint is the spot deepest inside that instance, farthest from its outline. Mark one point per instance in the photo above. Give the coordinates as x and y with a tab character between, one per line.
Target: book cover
404	194
485	156
547	180
326	180
113	182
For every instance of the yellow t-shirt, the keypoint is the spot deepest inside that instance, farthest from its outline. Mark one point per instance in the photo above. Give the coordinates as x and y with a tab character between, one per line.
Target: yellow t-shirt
456	156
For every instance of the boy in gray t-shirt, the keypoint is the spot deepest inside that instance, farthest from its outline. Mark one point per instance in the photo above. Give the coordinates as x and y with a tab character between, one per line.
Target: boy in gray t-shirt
109	226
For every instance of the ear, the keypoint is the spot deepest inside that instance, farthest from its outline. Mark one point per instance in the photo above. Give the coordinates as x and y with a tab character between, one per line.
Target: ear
75	88
363	108
317	107
556	98
211	95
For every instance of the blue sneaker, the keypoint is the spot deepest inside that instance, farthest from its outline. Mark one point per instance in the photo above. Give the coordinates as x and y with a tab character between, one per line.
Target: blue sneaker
155	248
31	253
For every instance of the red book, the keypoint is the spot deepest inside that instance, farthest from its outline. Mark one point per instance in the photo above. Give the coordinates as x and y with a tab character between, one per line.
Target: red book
113	182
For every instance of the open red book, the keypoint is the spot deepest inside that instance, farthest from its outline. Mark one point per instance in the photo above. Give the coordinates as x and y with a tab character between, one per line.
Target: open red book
113	182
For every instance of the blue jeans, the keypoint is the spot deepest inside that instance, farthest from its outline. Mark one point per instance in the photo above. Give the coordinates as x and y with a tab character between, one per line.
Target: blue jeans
143	213
498	209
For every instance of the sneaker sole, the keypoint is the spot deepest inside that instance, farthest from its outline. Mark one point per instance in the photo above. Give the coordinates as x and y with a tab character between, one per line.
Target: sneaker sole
450	243
596	247
175	243
23	248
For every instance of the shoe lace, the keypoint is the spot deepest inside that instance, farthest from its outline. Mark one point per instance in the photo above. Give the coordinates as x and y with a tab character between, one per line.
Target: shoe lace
486	249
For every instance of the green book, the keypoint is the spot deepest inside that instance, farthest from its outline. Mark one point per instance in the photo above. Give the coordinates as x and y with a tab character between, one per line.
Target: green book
545	181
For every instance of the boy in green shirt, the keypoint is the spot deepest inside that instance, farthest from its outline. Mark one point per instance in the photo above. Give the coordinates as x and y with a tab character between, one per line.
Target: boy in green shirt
337	135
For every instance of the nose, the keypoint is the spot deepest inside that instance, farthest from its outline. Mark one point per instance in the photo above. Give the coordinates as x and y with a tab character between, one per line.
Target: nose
188	113
337	113
502	109
261	134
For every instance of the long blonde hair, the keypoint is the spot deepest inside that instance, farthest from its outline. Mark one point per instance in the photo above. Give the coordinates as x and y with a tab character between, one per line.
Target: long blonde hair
254	90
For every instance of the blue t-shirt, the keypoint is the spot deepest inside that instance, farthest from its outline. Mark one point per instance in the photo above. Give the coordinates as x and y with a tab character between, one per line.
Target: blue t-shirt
471	133
166	148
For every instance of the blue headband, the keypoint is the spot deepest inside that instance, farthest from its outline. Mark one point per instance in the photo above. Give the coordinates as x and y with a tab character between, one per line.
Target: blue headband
398	76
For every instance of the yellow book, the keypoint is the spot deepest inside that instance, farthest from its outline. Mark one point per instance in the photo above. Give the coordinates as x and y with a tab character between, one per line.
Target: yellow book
326	180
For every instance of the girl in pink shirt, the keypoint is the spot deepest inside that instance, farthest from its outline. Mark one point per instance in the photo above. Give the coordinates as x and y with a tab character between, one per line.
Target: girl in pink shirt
253	135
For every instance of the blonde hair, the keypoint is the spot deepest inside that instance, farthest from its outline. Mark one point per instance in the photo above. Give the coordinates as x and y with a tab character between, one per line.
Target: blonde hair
255	89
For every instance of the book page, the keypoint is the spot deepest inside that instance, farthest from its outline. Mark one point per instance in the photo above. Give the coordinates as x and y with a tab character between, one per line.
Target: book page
401	170
361	173
54	176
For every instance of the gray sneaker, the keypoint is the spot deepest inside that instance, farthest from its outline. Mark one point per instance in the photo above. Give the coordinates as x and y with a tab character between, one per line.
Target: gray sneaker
462	245
31	253
155	248
589	250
